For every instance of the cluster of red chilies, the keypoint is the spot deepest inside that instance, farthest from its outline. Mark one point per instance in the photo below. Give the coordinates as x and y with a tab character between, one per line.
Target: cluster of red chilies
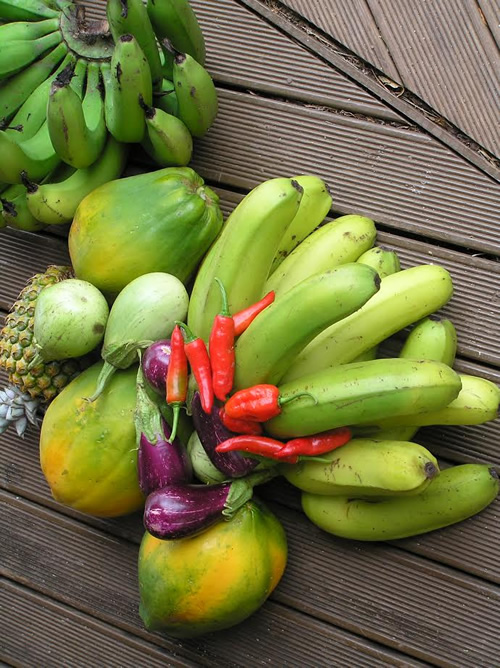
245	410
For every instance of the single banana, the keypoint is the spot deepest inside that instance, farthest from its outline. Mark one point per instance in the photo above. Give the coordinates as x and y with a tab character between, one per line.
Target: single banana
363	392
315	204
15	212
167	55
454	495
365	467
196	94
34	158
403	298
126	83
131	17
432	338
166	99
19	87
384	261
264	351
16	55
25	10
22	30
243	253
33	113
55	203
176	21
77	127
339	242
167	140
476	403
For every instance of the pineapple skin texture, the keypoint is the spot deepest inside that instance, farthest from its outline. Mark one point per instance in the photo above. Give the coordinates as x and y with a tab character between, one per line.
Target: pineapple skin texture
44	381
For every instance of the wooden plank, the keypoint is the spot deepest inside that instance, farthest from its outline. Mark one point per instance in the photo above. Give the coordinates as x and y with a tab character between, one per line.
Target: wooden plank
86	555
398	177
490	10
446	54
353	25
80	639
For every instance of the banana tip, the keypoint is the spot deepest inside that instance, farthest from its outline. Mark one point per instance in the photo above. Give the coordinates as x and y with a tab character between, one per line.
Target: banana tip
430	470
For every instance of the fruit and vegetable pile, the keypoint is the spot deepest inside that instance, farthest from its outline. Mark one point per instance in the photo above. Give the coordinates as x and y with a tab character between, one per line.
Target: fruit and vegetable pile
75	94
182	361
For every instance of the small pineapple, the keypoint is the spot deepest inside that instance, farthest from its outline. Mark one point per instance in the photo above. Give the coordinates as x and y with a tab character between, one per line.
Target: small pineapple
44	381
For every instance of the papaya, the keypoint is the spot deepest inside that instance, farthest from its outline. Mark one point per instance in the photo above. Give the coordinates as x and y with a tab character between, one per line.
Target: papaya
163	221
88	451
215	579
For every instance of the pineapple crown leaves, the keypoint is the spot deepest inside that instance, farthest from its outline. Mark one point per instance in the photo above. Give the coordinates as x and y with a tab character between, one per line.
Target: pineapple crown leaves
17	408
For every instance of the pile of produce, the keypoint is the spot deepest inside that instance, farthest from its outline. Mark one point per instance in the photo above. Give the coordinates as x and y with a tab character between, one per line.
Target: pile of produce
76	93
186	396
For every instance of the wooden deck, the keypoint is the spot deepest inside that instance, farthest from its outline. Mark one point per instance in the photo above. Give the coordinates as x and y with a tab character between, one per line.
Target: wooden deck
297	95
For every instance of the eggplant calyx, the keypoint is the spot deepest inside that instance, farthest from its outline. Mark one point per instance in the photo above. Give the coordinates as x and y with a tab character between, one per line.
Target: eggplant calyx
241	490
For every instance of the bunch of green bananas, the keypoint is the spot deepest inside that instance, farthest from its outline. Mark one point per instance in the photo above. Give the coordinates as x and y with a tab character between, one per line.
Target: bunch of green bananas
75	93
338	296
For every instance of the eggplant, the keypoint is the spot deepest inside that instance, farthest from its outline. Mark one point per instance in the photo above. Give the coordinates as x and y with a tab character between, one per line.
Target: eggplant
155	361
162	463
211	432
178	511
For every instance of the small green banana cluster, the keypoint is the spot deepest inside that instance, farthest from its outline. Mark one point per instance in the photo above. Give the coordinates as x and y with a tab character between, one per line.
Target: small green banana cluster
75	93
338	296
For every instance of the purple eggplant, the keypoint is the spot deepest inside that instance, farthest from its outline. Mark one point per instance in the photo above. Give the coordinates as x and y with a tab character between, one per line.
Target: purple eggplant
211	432
163	463
177	511
155	361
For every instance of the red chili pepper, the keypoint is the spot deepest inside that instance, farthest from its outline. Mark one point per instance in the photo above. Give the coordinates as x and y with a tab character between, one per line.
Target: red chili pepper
255	445
199	361
221	348
177	376
317	444
240	426
243	318
258	403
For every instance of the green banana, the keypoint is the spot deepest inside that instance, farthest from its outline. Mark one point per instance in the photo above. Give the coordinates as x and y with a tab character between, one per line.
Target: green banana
19	30
19	87
32	114
403	298
384	261
315	204
196	94
243	253
432	338
454	495
15	212
476	403
176	21
365	467
56	203
166	98
264	351
167	140
34	158
341	241
77	127
362	392
126	82
25	10
18	54
131	17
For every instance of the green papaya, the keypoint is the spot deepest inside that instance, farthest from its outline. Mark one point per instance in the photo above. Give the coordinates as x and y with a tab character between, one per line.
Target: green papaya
163	221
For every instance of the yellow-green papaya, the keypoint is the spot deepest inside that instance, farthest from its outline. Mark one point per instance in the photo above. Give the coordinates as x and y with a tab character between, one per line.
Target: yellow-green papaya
88	451
163	220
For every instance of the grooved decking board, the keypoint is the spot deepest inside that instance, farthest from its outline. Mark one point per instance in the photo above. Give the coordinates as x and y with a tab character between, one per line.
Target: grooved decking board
491	16
441	50
378	591
95	573
399	177
59	635
472	546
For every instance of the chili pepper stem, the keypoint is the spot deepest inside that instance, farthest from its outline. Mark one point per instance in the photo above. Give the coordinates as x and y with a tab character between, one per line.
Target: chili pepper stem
225	306
285	400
